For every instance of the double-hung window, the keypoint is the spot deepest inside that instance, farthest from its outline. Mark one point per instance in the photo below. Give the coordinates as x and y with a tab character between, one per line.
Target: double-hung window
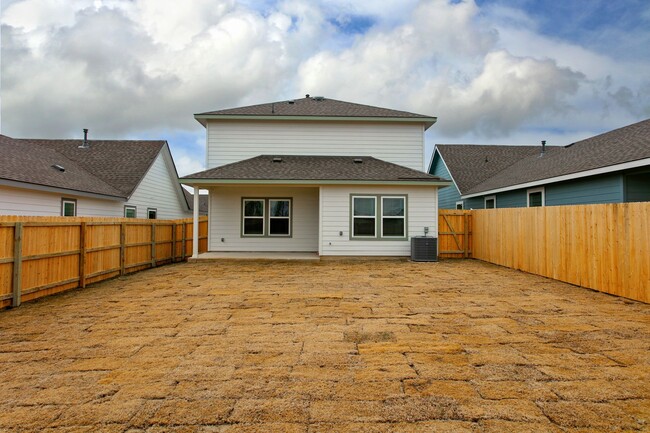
266	217
279	217
393	217
364	217
378	217
253	221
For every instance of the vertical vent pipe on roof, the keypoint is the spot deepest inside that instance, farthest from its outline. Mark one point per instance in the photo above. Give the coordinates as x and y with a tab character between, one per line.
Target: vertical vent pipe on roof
85	144
543	147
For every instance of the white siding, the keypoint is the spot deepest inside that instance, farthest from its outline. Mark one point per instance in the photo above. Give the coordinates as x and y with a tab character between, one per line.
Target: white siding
422	212
232	141
225	219
159	190
18	201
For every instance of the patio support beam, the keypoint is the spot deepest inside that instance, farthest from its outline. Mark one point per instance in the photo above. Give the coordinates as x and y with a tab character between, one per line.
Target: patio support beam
195	225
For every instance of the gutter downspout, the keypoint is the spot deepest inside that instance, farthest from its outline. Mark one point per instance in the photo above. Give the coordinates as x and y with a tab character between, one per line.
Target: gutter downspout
195	226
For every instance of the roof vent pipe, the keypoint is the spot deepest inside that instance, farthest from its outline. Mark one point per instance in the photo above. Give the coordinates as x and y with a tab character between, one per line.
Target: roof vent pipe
543	147
85	144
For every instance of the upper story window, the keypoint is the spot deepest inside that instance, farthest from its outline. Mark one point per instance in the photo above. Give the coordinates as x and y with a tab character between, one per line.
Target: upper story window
491	202
459	205
152	213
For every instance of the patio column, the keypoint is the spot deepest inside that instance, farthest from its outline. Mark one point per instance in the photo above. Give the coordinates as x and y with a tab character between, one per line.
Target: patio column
195	226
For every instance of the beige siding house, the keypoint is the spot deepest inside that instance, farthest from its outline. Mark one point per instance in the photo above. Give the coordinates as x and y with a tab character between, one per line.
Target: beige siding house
114	178
317	175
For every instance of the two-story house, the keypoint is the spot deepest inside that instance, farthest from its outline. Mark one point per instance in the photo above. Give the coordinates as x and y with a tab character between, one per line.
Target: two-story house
316	175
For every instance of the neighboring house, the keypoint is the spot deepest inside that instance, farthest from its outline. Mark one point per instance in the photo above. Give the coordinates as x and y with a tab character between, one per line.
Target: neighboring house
317	175
116	178
203	202
613	167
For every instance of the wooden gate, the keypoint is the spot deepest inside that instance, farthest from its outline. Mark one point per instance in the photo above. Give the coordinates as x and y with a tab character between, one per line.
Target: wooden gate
454	233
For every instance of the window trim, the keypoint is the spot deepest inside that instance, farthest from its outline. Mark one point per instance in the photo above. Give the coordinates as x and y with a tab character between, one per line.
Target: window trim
152	209
266	217
243	217
269	200
533	191
462	205
352	217
378	218
490	197
129	207
403	217
68	200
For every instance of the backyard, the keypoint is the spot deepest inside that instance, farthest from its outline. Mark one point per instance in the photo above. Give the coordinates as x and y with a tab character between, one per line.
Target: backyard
330	346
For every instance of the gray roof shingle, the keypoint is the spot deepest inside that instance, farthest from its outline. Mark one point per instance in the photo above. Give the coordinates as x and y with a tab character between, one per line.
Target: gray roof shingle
314	168
481	168
471	164
626	144
203	202
107	167
317	107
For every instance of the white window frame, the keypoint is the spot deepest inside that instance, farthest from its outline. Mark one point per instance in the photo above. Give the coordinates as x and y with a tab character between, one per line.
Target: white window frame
155	213
68	201
129	207
279	218
354	235
403	217
490	197
244	217
533	191
462	206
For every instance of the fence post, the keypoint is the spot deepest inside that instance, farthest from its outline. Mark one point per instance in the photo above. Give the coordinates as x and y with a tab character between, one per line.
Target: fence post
82	256
184	241
122	248
18	264
174	242
153	245
466	235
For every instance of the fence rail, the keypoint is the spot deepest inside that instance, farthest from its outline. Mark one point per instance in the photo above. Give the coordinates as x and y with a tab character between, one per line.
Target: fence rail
40	256
603	247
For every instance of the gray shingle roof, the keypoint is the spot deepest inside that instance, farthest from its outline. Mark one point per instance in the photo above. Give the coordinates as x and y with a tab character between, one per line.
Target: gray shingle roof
314	168
471	164
107	167
317	107
203	202
626	144
508	166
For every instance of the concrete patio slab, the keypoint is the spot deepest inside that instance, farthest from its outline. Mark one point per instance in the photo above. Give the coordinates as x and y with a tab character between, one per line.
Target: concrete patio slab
302	346
257	256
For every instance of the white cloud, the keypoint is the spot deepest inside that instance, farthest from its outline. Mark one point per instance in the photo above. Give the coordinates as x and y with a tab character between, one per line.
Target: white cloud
123	67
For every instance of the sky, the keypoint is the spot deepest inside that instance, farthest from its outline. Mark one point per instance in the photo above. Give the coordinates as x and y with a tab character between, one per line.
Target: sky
491	71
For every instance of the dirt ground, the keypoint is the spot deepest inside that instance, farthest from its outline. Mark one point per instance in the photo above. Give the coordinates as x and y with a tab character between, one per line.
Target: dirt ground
455	346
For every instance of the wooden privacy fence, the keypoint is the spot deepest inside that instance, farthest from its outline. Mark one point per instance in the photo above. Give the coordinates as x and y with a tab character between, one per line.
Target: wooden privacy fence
454	233
602	247
40	256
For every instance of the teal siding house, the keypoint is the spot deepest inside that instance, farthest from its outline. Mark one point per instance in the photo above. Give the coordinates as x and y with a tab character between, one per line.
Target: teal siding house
613	167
